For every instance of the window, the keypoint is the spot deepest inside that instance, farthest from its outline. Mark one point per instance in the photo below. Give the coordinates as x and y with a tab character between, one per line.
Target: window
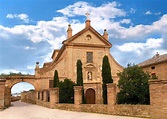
89	56
48	96
42	95
38	95
153	67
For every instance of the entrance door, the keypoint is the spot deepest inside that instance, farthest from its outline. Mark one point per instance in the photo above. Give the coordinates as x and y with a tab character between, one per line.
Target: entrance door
90	96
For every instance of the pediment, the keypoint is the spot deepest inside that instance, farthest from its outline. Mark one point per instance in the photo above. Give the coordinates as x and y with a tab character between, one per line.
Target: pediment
88	36
89	66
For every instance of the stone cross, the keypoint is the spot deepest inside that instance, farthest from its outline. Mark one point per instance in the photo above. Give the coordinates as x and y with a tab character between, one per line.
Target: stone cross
87	16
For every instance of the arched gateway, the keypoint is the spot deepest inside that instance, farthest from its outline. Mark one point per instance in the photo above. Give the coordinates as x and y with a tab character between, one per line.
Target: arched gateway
12	80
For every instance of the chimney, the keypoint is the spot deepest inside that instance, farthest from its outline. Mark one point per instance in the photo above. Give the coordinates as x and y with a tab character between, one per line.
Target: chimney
105	34
69	31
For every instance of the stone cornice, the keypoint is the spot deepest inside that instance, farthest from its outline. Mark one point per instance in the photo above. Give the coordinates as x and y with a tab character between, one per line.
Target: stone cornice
156	81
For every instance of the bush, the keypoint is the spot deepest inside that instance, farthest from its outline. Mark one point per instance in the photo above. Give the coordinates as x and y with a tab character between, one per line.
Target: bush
133	84
66	91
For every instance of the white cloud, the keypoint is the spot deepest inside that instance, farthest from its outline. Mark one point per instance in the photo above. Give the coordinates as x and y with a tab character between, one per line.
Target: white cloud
46	57
157	13
102	17
132	10
125	21
138	32
29	48
108	10
23	17
138	48
30	67
148	13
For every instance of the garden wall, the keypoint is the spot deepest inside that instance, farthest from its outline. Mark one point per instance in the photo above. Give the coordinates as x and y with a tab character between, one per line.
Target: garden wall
126	110
28	97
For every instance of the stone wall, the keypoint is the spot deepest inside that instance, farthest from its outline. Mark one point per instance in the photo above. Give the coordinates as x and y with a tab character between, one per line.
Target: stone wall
2	95
111	108
17	98
122	110
29	97
132	110
158	99
7	96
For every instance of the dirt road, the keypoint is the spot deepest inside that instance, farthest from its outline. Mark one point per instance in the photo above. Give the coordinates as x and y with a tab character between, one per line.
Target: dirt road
21	110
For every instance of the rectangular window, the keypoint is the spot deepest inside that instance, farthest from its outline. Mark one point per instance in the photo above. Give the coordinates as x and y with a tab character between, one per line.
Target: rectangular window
89	56
42	95
153	67
38	95
48	96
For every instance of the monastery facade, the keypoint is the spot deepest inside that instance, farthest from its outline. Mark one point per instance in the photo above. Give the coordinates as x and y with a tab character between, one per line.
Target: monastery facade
90	47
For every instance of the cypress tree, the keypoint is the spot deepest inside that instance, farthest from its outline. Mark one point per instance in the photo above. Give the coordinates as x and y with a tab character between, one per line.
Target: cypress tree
80	79
106	77
79	73
56	79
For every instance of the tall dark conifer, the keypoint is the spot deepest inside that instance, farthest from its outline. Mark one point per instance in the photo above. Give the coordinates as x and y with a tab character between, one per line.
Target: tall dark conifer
80	79
56	79
106	76
79	73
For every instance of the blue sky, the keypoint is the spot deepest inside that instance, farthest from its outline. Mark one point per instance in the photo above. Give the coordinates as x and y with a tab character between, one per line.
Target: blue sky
31	29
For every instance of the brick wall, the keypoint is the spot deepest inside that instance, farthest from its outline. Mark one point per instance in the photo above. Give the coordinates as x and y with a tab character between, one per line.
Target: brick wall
29	97
132	110
2	90
158	99
111	108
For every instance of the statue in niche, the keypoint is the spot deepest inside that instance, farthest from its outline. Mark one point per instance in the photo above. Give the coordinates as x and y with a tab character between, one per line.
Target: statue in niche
89	75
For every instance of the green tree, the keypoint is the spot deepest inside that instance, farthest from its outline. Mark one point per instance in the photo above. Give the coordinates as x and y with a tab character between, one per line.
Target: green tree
79	73
106	76
56	79
66	91
133	84
80	79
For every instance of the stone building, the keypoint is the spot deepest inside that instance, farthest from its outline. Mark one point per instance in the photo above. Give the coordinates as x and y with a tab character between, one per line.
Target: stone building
156	66
90	47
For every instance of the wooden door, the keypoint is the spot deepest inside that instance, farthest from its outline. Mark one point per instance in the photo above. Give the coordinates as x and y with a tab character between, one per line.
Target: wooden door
90	96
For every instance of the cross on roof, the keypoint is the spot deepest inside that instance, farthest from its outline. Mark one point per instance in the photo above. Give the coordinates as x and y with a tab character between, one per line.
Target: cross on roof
87	16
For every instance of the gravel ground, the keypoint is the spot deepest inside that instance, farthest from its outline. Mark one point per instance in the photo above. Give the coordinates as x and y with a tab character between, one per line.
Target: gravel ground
21	110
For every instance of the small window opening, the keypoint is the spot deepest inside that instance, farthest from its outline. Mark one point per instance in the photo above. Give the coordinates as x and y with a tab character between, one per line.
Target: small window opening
153	67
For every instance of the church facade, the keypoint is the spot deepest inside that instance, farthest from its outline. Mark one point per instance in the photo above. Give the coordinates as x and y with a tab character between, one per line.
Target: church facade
90	47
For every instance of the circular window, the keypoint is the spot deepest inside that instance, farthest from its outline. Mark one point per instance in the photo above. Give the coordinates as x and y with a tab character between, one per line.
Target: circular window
88	37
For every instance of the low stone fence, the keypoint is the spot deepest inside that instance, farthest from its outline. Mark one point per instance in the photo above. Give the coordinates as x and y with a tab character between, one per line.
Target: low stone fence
132	110
43	103
122	110
17	98
28	97
50	98
94	108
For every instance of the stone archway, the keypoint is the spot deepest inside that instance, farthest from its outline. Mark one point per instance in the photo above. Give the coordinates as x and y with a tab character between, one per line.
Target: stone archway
11	81
90	96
